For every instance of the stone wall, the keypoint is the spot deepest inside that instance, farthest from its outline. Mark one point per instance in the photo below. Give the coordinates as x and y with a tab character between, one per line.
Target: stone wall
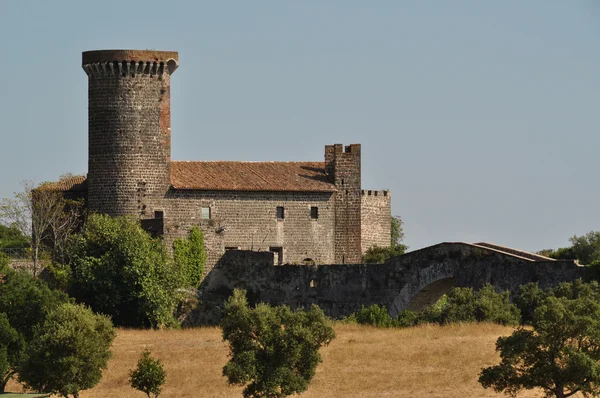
129	130
248	221
343	166
376	218
341	290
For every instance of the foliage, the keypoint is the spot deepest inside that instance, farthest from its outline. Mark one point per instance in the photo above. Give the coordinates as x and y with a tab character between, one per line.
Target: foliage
560	355
24	303
149	375
189	254
69	351
379	254
274	351
4	261
407	318
529	298
375	315
12	238
11	351
585	248
120	270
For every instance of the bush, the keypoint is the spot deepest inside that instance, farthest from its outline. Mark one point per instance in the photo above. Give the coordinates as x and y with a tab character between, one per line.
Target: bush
11	351
68	352
375	315
274	352
120	270
149	375
190	255
529	298
407	318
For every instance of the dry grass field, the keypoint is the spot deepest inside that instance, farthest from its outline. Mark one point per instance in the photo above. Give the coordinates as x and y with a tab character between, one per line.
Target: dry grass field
426	361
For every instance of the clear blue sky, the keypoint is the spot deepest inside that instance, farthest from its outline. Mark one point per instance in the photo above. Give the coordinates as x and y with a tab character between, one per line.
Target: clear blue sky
482	117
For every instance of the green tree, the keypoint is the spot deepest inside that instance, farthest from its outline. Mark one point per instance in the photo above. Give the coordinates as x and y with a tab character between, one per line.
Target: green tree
11	351
190	254
274	351
12	238
25	302
379	254
586	247
149	375
560	354
69	351
529	298
120	270
375	315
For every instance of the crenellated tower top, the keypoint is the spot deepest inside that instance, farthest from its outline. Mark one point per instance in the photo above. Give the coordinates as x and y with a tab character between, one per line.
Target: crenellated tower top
129	63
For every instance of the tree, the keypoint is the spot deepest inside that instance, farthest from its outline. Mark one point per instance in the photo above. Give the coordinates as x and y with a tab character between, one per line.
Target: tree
189	254
69	351
586	247
274	351
379	254
44	214
12	238
118	269
149	375
11	351
560	355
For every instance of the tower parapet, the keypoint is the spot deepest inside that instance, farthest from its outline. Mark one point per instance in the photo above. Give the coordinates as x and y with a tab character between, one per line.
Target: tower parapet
129	122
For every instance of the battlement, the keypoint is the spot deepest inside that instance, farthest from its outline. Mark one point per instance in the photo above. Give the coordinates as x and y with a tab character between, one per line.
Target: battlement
370	192
129	63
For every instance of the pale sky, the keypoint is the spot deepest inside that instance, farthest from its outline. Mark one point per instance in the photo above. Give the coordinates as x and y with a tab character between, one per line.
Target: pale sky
482	117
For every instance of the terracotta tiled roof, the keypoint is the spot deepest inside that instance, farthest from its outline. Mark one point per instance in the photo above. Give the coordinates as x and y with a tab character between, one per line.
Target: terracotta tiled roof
251	176
75	183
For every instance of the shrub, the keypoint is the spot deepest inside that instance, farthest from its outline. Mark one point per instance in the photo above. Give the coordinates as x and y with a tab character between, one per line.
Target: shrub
274	352
119	270
11	351
529	298
149	375
375	315
190	255
68	352
407	318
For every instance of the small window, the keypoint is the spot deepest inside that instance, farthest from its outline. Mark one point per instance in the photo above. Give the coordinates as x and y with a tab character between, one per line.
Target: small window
280	213
228	248
278	255
314	212
205	213
159	214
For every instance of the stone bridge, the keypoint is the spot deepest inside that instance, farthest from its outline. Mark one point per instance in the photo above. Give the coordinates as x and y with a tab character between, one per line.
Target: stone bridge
410	281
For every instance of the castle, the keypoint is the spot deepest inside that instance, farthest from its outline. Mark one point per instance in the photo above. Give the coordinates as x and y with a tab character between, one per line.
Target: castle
303	212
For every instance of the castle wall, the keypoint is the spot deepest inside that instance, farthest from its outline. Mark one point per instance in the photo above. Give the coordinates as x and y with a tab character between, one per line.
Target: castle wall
250	221
376	218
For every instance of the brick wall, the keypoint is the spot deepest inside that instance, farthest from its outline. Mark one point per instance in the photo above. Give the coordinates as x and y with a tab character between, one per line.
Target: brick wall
376	214
249	222
129	130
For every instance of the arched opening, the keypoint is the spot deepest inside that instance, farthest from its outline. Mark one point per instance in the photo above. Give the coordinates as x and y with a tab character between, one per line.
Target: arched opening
430	294
308	261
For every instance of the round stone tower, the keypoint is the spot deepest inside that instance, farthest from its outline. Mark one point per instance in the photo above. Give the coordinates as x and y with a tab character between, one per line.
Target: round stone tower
129	116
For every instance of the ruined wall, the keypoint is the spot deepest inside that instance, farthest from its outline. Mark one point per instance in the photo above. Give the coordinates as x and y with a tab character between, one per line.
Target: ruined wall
376	218
341	290
129	129
343	167
248	220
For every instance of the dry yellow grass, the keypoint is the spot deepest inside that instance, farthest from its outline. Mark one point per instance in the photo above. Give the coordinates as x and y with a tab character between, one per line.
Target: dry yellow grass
426	361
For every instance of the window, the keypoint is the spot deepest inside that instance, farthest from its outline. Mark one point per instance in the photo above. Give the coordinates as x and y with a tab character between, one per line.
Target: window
228	248
280	213
159	214
314	212
205	213
277	255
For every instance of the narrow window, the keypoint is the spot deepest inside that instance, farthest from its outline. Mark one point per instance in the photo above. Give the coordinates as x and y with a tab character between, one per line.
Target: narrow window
314	212
277	254
280	213
228	248
159	214
205	213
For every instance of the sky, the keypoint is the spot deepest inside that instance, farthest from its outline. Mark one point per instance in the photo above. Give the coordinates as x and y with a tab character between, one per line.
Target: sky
481	117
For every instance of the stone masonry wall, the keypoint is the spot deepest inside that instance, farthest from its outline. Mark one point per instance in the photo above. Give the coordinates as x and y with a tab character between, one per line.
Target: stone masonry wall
376	218
341	290
247	220
343	165
129	131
